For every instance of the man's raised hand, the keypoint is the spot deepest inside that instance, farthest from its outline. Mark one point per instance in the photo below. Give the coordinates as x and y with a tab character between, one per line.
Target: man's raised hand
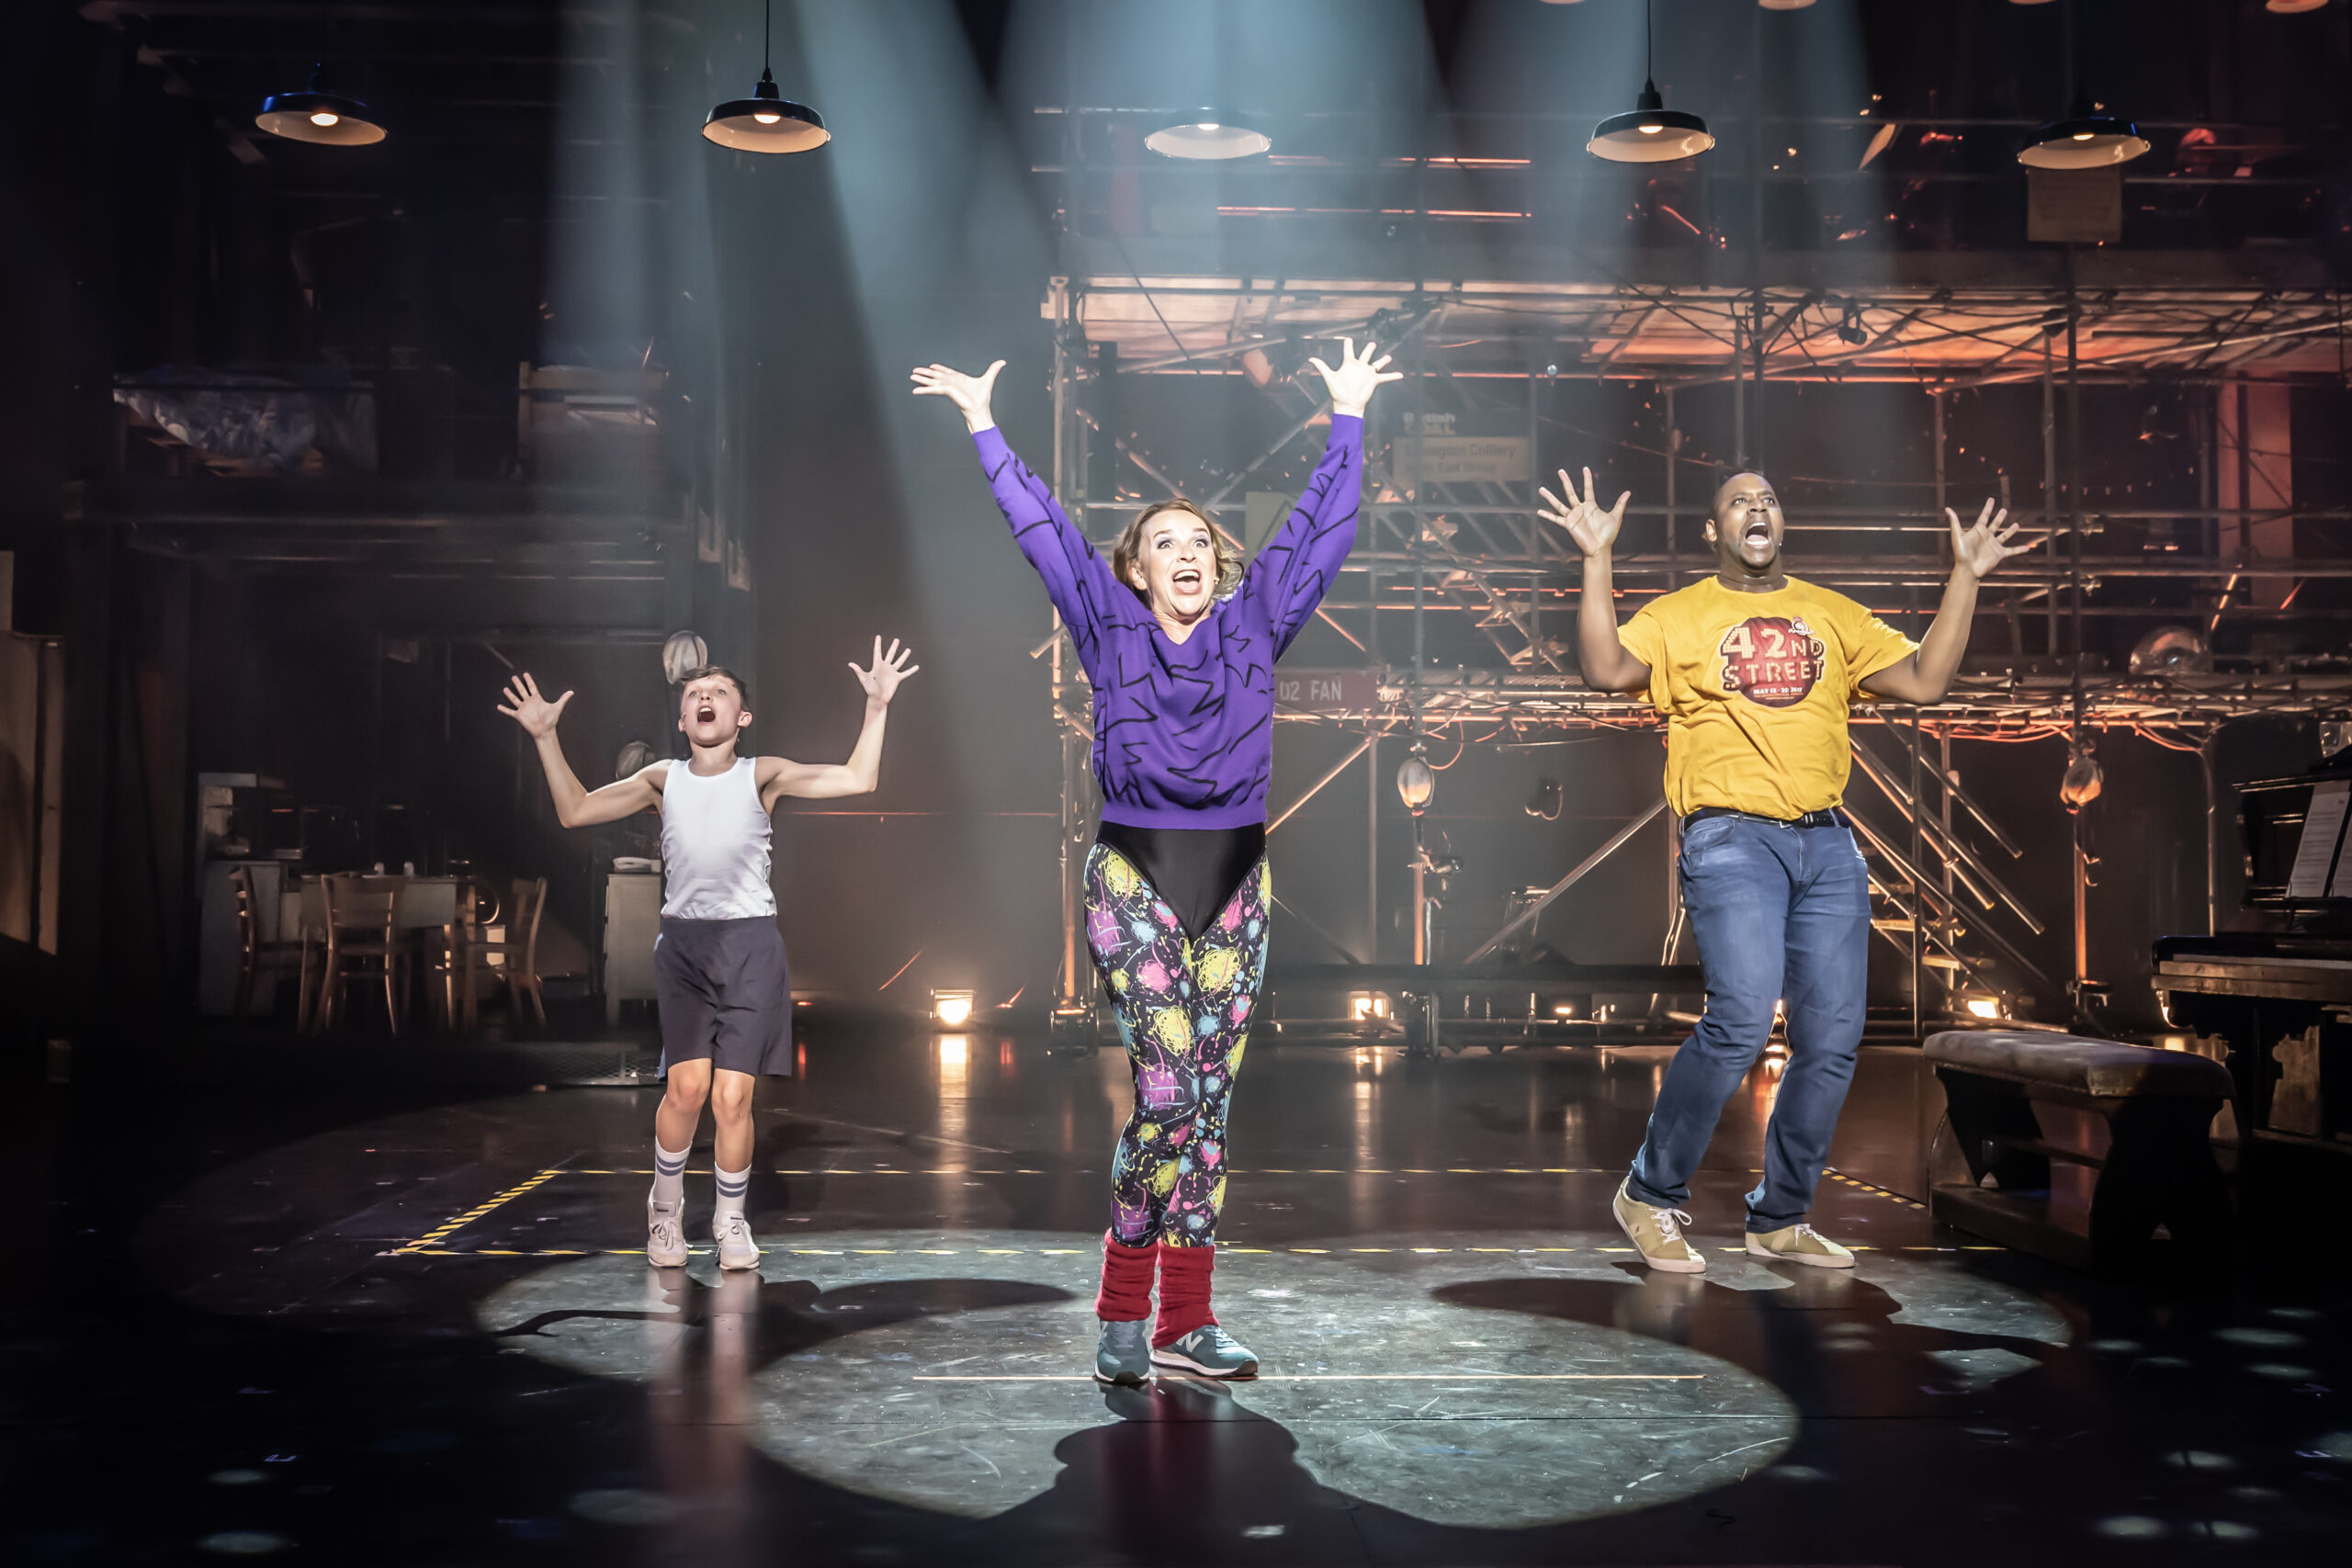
1358	377
970	394
881	683
1984	544
1593	529
533	712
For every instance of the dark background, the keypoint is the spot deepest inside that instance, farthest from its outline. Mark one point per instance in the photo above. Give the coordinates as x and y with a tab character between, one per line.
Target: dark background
544	198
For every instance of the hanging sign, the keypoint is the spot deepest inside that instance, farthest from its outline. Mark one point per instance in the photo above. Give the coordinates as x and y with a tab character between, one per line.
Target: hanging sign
1466	447
1337	692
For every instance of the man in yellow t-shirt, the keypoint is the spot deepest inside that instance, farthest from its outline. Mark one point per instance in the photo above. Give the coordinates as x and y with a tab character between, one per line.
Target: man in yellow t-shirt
1754	671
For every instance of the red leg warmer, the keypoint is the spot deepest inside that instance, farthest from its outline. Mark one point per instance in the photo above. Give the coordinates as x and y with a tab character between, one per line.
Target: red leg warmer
1183	1292
1125	1295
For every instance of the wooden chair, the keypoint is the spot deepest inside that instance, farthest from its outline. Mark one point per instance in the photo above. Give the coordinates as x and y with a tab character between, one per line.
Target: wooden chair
363	943
520	949
451	965
254	954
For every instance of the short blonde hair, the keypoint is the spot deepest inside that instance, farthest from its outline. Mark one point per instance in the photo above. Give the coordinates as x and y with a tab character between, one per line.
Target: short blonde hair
1129	549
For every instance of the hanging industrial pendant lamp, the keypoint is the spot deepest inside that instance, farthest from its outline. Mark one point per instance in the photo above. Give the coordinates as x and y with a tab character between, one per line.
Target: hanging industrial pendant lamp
767	121
1651	133
2088	138
326	119
2084	139
1212	133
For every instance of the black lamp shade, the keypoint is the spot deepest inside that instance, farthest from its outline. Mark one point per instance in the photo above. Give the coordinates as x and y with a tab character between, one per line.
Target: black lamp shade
1208	133
1650	133
767	121
329	119
2082	140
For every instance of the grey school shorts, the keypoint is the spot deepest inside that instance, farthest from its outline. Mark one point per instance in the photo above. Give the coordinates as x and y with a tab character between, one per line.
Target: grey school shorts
725	993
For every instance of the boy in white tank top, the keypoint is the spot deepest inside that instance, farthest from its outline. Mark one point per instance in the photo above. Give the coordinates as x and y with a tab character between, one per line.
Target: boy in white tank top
724	990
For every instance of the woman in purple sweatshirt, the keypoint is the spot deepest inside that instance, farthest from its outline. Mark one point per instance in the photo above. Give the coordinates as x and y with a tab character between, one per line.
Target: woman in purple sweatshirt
1179	640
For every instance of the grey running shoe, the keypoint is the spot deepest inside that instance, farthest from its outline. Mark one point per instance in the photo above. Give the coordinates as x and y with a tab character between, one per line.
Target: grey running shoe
736	1247
1124	1353
1210	1351
666	1238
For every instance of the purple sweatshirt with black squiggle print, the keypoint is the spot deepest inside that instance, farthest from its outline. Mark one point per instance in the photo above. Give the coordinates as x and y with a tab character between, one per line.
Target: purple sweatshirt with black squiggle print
1183	732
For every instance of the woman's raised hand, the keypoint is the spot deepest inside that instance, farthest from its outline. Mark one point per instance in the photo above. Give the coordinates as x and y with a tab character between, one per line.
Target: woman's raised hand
533	712
1593	529
1358	377
970	394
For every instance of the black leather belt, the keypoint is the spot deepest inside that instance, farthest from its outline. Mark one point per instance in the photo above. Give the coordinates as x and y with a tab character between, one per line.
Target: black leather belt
1830	819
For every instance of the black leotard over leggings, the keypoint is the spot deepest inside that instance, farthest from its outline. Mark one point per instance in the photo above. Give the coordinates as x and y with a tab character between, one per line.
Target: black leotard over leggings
1194	869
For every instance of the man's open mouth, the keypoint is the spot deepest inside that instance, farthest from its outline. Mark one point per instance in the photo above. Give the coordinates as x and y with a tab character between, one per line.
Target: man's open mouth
1757	534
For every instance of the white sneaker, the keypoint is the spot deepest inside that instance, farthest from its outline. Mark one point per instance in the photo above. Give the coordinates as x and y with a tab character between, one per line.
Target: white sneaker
666	1238
736	1247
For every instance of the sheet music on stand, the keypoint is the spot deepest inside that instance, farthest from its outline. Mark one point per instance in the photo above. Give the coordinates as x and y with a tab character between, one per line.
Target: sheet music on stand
2318	872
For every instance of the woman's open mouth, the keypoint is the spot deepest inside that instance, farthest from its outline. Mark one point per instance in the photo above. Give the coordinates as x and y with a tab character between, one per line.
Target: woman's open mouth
1187	579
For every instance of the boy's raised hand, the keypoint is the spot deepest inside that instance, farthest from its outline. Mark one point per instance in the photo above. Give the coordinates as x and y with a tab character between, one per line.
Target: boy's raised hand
881	683
533	712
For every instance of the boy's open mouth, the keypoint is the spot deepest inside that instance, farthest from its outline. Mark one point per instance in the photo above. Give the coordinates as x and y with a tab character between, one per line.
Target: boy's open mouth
706	715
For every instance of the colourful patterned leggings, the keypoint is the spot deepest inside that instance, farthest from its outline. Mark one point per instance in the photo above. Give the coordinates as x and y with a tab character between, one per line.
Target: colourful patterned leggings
1183	1011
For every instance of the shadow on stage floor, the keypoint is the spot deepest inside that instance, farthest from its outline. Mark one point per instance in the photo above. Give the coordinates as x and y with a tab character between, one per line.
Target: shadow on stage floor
386	1318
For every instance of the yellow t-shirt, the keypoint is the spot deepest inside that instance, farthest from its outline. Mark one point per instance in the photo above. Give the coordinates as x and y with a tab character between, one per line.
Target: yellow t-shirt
1755	689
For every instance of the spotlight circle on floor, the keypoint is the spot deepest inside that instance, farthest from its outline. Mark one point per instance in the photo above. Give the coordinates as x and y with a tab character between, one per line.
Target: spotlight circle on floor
324	120
767	121
1209	134
2084	139
1650	133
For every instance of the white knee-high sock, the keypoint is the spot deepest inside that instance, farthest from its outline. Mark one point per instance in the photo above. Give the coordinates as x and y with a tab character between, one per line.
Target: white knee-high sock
669	1175
732	1184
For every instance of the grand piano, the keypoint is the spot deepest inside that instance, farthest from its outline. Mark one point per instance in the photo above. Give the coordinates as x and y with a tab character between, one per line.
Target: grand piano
2277	994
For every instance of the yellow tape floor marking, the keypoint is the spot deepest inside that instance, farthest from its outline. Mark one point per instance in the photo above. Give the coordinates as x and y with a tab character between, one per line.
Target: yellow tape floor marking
470	1216
416	1249
1835	1175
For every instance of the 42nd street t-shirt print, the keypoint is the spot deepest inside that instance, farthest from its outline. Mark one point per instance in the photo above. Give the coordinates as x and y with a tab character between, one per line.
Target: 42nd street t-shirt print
1774	660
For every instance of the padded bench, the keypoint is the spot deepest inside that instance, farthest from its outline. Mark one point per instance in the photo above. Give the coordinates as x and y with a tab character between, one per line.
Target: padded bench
2090	1146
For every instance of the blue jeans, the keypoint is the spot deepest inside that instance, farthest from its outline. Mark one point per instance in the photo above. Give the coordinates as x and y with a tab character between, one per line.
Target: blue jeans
1780	914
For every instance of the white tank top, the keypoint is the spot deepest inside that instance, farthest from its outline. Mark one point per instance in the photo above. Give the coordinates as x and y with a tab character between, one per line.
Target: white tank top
714	845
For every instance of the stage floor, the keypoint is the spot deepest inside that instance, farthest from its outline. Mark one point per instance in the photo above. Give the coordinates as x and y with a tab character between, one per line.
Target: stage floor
394	1325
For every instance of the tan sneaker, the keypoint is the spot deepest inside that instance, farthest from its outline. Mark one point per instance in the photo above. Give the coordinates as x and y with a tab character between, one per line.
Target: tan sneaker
1656	1233
1799	1243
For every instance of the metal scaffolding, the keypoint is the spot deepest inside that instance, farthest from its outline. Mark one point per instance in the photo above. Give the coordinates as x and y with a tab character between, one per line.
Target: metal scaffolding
1473	554
1445	235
